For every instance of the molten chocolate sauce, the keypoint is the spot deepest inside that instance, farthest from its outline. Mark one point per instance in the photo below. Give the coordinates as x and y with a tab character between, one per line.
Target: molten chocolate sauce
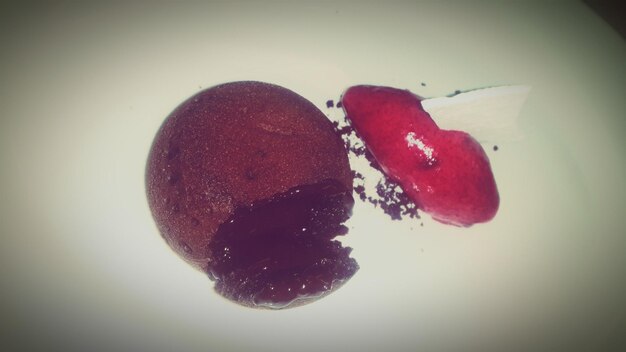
282	250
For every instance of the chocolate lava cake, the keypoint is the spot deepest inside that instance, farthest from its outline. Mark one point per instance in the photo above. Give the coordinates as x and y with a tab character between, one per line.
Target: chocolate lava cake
250	183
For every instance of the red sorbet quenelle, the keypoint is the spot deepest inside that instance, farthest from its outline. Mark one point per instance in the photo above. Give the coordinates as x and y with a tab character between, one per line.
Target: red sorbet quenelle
446	173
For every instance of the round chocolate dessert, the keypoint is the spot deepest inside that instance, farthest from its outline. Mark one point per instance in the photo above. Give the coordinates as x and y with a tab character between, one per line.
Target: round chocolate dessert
250	183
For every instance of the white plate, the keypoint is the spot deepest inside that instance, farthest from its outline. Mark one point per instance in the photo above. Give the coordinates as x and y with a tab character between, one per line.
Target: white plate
85	88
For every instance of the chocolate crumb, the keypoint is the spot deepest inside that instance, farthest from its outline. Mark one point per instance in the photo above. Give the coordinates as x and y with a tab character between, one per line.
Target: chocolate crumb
330	103
423	84
375	189
456	92
339	104
495	148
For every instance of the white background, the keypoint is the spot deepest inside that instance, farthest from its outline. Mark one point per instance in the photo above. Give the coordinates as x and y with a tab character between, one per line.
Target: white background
83	89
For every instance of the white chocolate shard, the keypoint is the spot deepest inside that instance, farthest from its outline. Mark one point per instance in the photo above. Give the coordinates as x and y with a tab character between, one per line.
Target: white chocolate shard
489	114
